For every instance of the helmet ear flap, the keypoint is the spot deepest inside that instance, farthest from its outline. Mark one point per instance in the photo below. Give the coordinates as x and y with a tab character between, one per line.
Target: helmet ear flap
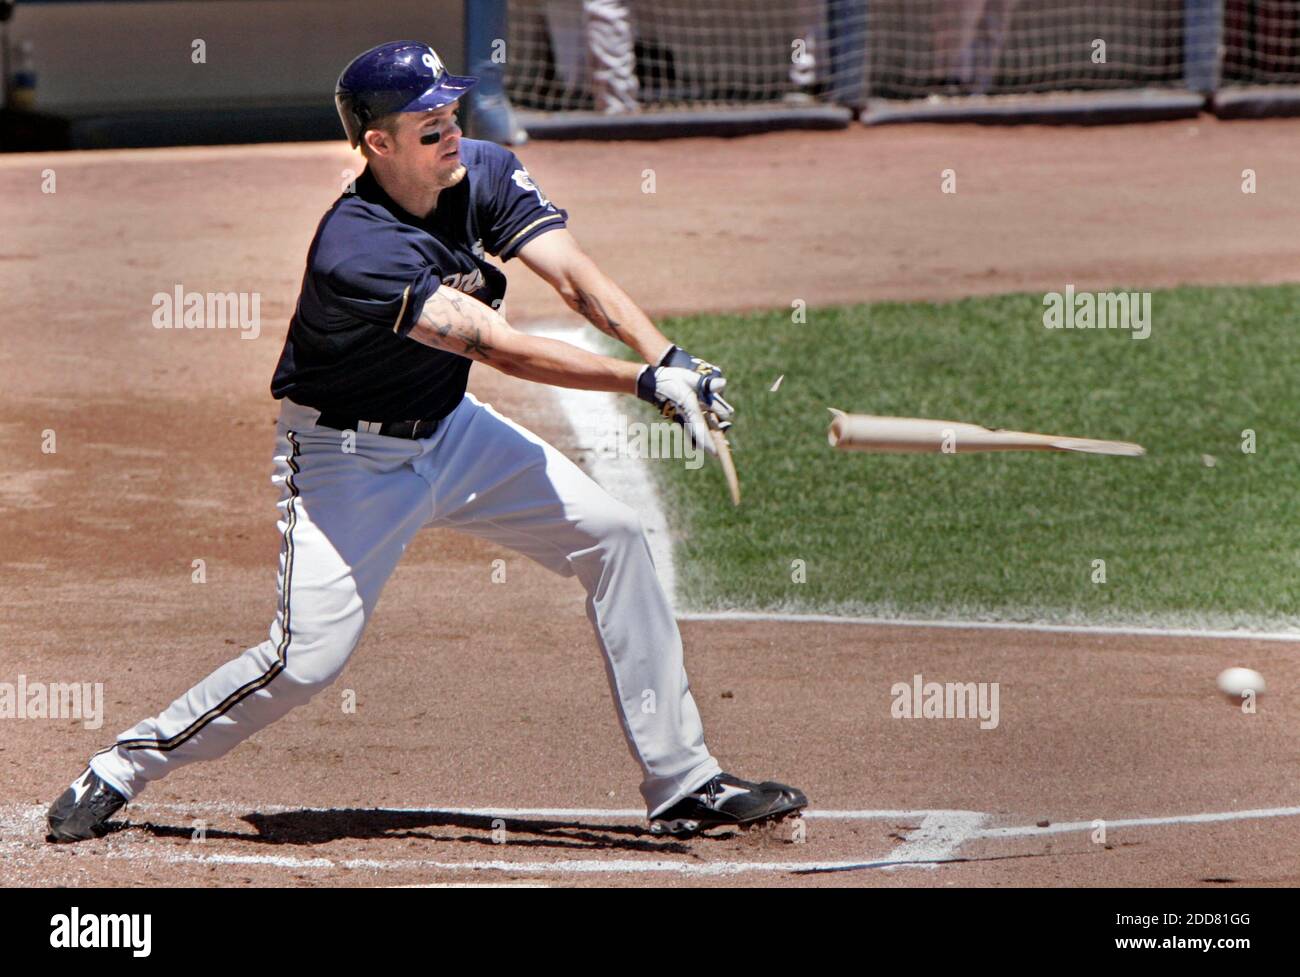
350	114
357	113
361	112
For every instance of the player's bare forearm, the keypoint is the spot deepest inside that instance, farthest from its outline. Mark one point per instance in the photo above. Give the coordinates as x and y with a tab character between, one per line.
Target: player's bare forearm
453	321
556	257
600	301
564	365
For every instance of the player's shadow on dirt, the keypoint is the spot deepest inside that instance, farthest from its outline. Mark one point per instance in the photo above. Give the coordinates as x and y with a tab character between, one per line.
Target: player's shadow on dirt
319	827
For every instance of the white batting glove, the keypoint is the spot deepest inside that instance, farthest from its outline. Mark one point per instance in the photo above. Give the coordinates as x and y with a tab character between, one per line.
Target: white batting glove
683	396
676	356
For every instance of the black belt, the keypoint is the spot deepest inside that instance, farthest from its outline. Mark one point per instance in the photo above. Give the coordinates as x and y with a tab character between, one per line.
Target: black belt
388	429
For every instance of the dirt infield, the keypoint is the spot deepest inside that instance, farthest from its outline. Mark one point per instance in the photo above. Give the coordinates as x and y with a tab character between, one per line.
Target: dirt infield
483	722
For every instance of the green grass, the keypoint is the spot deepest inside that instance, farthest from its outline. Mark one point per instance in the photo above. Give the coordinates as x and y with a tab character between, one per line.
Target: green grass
1007	536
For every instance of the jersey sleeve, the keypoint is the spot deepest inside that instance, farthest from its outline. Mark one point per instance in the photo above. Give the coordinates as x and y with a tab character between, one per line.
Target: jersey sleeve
384	282
514	210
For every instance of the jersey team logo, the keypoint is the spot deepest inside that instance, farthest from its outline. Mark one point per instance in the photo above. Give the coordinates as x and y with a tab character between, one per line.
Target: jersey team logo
468	282
525	182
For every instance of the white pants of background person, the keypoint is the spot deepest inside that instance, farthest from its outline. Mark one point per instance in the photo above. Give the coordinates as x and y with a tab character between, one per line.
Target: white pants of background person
964	53
612	49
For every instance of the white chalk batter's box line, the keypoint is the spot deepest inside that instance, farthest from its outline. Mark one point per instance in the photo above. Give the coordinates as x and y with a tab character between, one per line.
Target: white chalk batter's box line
935	841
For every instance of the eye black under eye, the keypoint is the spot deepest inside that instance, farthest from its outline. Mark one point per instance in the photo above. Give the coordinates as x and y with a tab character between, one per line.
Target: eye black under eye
429	138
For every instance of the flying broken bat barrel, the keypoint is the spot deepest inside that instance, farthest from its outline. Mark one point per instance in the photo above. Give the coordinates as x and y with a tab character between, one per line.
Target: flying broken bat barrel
919	435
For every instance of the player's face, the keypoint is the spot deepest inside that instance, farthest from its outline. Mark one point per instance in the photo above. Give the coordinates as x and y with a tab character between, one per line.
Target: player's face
430	143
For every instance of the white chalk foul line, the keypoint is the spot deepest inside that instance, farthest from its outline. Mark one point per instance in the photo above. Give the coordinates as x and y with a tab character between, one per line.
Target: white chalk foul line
759	616
1068	827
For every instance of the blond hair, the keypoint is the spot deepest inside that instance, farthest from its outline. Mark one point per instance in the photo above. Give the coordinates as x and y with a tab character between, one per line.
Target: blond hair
385	123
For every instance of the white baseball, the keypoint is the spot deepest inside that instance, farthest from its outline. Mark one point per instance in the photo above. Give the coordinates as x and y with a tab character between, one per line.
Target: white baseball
1234	681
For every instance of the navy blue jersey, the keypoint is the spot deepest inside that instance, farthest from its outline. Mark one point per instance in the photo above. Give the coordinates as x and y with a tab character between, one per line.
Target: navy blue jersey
369	271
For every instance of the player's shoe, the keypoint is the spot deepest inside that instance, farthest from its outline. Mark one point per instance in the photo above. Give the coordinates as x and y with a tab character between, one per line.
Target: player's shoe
81	811
729	801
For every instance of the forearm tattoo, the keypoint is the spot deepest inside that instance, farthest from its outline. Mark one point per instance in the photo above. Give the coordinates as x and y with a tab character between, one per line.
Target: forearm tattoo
461	326
591	309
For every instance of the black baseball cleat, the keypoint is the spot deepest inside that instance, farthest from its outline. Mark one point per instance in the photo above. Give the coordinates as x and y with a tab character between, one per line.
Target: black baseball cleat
81	812
729	801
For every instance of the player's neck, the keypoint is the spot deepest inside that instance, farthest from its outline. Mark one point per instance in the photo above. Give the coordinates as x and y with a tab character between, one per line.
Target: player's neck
414	195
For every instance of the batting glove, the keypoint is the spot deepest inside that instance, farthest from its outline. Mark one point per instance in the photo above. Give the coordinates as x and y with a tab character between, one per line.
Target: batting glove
678	357
682	396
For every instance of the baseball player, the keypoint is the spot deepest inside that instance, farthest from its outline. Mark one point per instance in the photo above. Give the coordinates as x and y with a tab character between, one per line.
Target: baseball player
377	437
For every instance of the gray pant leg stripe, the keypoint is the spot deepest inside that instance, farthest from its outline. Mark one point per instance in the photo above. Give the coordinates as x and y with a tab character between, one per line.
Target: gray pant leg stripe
282	652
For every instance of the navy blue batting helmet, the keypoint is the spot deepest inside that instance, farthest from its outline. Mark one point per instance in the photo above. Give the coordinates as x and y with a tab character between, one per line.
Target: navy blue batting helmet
400	76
